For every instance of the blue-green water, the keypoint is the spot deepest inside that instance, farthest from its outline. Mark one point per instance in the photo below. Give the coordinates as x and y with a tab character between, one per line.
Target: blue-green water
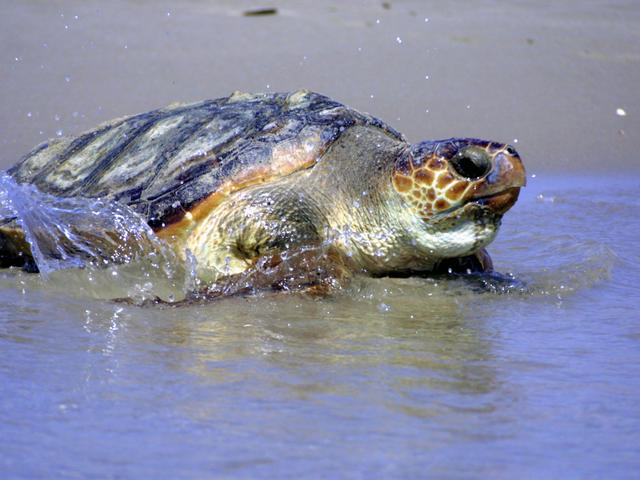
393	378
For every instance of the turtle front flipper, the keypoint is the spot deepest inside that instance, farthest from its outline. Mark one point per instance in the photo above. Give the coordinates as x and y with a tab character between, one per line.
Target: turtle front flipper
478	262
317	271
268	236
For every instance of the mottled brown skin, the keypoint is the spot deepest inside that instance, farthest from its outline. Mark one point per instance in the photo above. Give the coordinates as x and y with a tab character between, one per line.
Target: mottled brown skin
432	185
287	191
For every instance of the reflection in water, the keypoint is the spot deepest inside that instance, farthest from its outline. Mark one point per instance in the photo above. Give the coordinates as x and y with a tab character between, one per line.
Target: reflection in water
348	347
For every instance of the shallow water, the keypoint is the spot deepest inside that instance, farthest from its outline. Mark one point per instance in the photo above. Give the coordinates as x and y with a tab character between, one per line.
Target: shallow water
532	374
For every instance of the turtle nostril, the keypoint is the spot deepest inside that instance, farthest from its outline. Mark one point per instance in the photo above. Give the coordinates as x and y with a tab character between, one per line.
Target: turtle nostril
471	163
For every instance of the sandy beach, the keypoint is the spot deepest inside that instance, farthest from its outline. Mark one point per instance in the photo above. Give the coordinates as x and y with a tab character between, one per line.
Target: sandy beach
559	82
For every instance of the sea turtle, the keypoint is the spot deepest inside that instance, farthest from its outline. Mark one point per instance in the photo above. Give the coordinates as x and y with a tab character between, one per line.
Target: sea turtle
257	181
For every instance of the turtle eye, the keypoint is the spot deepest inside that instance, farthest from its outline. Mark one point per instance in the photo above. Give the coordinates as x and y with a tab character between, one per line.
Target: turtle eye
511	151
471	163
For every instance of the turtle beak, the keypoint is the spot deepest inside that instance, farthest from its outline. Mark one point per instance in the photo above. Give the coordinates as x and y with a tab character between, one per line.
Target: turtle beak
500	188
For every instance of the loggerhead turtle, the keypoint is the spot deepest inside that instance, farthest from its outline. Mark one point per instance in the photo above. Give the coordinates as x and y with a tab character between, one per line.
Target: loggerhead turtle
249	181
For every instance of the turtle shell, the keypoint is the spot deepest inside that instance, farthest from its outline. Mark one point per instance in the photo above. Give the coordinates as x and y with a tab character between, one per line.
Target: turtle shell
166	162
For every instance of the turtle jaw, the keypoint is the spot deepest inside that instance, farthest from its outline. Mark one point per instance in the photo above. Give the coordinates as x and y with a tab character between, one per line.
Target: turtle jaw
499	190
500	202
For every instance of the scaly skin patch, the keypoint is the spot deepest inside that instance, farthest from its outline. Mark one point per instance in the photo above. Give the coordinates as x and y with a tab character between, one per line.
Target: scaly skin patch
431	183
429	187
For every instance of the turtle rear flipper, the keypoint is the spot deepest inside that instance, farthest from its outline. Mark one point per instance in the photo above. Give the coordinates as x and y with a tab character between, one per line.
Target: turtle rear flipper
14	248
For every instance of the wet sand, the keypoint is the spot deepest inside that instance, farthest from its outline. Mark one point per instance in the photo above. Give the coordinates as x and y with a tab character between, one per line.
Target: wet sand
560	82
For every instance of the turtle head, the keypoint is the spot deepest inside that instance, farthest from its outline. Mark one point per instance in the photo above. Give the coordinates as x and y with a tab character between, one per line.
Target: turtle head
457	191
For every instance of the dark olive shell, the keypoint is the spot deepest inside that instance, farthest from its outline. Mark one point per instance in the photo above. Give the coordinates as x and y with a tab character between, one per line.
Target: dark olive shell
164	162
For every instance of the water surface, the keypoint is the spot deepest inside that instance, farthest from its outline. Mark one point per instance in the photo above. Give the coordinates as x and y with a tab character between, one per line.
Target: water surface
530	374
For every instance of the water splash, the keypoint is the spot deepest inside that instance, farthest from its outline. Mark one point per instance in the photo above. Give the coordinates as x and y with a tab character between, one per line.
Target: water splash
76	232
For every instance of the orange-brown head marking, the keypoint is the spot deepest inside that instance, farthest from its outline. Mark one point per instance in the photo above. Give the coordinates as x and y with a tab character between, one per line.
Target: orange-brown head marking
440	176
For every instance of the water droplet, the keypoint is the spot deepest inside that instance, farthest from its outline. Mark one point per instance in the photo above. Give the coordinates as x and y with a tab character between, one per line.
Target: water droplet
29	114
468	107
56	117
67	79
398	40
621	112
426	77
426	20
59	133
515	140
542	198
384	307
